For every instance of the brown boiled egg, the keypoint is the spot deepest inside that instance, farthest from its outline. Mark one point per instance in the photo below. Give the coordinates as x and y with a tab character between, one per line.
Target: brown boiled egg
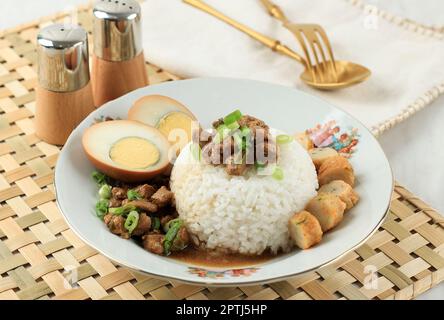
126	150
169	116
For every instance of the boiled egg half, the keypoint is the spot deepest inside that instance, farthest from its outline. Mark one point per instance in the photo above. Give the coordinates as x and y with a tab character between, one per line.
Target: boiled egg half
167	115
126	150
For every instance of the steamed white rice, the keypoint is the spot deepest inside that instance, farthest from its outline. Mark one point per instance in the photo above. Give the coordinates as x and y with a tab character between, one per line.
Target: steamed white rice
246	214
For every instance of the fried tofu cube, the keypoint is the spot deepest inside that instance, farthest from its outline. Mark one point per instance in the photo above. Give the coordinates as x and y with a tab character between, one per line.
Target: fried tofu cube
319	155
305	230
328	209
336	168
343	190
304	140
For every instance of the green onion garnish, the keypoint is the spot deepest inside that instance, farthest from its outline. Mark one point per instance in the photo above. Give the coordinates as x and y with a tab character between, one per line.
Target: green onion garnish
232	117
278	173
233	126
102	207
259	165
131	221
196	151
245	144
246	134
133	195
156	223
283	139
174	226
105	191
166	226
245	131
222	133
238	141
122	210
99	178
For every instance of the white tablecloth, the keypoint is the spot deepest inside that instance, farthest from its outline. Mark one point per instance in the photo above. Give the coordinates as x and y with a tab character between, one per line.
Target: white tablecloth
414	148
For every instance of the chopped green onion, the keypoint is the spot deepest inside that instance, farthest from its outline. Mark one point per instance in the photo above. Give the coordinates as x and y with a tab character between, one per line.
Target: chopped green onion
196	151
259	165
122	210
105	191
233	126
156	223
245	131
99	178
102	208
246	134
278	173
283	139
219	134
238	141
133	195
246	144
131	221
174	226
225	133
222	133
166	226
232	117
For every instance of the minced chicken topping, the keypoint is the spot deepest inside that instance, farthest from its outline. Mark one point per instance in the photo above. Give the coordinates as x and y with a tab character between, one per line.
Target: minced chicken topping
239	142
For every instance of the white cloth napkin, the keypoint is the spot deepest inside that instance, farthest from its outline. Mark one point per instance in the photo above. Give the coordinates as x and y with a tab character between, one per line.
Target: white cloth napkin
407	65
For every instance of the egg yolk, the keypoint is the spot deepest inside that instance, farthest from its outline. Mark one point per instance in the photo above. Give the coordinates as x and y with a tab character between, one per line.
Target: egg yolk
134	153
176	120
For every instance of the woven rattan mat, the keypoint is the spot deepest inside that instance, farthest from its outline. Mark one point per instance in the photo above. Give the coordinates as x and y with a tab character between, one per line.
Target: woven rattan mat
39	254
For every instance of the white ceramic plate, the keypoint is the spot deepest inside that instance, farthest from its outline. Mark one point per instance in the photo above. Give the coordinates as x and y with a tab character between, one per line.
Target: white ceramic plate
282	108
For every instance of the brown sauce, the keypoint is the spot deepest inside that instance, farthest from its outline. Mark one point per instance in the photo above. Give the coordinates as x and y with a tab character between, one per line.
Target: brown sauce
212	258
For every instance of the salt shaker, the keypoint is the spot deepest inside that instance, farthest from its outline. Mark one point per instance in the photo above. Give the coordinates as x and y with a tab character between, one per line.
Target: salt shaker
64	92
118	65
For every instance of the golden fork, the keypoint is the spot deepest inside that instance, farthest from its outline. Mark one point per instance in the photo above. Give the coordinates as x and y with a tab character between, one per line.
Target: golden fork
347	73
310	36
314	42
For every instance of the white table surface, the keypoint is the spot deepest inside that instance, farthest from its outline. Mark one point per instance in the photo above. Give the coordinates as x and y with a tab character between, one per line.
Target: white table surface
415	148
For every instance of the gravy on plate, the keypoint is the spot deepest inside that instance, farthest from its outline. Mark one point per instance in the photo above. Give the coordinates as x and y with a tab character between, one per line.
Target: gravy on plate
211	258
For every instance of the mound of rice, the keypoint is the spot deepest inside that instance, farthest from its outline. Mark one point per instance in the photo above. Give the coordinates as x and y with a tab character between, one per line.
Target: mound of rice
246	214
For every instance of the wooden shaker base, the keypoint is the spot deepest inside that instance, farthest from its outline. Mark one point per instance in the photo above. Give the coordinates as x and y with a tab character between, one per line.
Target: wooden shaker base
113	79
58	113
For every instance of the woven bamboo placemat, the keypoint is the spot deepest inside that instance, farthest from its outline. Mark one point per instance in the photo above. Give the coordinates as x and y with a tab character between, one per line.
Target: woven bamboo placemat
40	256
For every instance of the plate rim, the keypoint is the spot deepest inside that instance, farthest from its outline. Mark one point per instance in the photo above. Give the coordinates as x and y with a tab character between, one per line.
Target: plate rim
244	282
231	284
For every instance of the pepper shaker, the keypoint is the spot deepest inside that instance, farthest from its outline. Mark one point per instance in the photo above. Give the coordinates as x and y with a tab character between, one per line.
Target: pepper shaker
64	92
118	64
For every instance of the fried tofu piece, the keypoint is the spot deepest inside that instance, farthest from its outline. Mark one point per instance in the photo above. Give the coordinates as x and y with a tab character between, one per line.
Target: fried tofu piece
305	230
343	190
336	168
328	209
319	155
304	140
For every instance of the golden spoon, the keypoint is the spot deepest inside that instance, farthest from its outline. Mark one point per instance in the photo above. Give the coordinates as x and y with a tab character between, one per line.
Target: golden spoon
345	73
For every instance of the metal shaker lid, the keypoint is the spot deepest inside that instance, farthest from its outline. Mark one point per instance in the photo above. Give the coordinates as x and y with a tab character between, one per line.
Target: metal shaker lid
63	57
117	29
